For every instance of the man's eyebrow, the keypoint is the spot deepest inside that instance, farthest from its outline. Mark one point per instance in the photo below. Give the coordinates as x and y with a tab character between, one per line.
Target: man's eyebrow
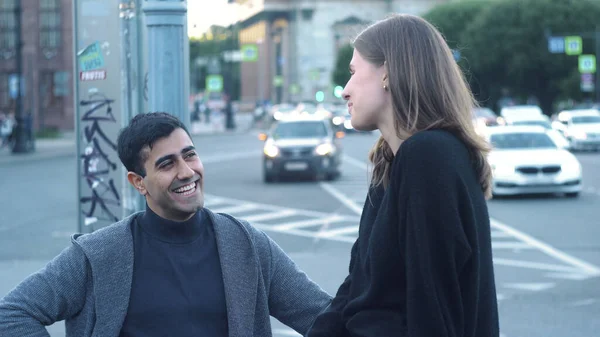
188	149
171	156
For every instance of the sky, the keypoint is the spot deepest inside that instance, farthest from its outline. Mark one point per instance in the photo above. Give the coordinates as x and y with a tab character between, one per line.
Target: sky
204	13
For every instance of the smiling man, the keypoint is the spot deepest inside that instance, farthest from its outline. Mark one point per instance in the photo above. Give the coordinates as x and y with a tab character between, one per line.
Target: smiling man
176	269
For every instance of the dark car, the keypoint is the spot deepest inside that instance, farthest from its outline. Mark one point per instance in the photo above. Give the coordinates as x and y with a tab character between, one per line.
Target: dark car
302	146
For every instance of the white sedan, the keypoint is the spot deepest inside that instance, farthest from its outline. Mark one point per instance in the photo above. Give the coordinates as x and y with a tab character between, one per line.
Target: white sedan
531	159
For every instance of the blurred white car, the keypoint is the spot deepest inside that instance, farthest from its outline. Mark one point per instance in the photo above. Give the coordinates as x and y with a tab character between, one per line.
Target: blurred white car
581	128
521	111
533	119
532	159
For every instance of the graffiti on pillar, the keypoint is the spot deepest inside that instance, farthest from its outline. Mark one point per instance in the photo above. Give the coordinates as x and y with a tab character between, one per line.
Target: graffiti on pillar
98	167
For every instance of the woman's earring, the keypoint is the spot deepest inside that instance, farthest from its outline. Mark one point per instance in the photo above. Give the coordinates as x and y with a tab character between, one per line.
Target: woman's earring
385	87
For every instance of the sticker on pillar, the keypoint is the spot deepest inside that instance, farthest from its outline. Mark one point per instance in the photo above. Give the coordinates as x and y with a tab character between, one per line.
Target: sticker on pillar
90	58
92	75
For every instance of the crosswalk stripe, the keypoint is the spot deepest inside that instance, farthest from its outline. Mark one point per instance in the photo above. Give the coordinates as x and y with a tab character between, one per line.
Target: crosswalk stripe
270	215
236	209
308	223
510	245
339	231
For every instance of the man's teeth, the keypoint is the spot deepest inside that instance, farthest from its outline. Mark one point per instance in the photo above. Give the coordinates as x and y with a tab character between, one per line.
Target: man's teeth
186	188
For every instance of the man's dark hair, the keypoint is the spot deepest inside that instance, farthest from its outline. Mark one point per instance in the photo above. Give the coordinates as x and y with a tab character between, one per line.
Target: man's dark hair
143	131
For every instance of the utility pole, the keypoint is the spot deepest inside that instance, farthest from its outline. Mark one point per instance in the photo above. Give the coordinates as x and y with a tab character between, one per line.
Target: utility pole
22	134
168	83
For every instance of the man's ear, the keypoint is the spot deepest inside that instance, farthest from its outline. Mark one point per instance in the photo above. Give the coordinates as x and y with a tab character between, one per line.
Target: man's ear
137	181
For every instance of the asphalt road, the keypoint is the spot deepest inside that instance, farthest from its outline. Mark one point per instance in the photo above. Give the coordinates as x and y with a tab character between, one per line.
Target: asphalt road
547	251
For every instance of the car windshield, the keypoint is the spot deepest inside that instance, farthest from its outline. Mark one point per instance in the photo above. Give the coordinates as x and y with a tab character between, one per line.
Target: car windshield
484	112
585	119
524	140
545	124
285	108
300	130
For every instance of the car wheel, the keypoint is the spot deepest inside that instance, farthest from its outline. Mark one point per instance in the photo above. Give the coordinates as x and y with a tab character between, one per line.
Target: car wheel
268	178
572	194
333	175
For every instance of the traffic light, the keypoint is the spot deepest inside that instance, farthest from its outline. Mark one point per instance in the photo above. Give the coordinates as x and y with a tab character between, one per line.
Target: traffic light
320	96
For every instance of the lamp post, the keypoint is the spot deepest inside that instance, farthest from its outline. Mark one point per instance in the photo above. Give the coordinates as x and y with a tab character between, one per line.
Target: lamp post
23	128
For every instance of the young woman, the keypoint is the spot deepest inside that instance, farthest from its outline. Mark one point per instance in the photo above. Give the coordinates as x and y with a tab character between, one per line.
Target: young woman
422	264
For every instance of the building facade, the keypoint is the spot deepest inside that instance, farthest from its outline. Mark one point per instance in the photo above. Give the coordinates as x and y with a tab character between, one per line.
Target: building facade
297	42
47	61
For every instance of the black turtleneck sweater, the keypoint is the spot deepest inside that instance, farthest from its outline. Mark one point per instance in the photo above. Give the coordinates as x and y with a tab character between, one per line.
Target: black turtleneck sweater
177	287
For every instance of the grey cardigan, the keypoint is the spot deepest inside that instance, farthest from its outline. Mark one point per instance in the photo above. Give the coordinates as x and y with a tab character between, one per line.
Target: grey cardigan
89	283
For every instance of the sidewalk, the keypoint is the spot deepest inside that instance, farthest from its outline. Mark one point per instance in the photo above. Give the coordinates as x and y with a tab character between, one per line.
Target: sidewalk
65	146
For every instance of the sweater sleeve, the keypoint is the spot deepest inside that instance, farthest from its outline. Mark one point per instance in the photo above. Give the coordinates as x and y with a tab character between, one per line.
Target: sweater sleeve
433	240
52	294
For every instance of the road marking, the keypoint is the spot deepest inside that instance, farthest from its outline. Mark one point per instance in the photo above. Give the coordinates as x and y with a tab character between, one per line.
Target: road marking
535	265
270	216
581	303
308	223
500	234
514	245
237	209
341	197
286	332
529	286
307	234
339	231
588	268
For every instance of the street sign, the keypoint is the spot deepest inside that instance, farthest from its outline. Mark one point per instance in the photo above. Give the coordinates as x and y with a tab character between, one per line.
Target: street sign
573	45
13	86
587	64
214	83
456	55
556	44
587	83
249	52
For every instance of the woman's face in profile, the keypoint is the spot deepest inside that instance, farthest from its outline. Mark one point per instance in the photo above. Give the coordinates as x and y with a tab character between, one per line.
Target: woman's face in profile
365	94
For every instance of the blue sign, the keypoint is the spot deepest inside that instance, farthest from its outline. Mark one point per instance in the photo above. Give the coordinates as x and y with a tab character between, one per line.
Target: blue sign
13	86
456	54
556	44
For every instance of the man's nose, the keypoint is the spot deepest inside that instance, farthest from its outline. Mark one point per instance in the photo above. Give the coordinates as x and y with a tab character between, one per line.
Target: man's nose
185	171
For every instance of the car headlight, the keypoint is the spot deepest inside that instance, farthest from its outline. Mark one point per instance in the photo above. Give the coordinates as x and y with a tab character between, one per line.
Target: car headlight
271	150
571	166
324	149
337	120
348	124
503	169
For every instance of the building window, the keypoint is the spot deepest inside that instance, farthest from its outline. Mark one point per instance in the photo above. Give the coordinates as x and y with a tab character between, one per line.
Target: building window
50	24
8	29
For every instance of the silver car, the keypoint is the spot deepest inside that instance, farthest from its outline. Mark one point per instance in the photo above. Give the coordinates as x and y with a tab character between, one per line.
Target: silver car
532	159
305	145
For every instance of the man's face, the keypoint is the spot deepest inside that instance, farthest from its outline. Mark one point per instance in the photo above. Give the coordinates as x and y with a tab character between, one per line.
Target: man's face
173	185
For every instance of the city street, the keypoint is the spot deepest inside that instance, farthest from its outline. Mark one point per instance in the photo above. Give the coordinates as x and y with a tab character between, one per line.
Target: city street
546	248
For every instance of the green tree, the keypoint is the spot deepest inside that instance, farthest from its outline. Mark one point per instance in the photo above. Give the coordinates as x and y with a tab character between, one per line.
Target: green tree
509	46
504	45
341	73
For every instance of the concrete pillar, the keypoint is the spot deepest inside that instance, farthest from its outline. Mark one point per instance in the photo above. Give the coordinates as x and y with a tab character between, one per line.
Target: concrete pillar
168	62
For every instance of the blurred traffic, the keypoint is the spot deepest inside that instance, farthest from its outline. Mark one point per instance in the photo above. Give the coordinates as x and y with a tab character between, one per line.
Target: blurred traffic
532	153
